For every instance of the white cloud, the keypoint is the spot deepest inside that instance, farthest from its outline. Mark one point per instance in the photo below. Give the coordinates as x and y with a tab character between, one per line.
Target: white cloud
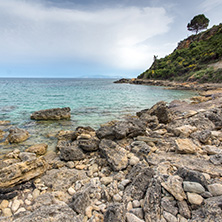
111	36
208	5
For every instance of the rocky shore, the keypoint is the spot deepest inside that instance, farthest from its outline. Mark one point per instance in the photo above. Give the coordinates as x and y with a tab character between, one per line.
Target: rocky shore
163	164
173	85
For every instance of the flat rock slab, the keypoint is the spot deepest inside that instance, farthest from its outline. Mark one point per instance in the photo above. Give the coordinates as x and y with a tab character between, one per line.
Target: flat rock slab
52	114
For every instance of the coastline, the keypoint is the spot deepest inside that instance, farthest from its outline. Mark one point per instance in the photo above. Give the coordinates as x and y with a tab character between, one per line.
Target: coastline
171	152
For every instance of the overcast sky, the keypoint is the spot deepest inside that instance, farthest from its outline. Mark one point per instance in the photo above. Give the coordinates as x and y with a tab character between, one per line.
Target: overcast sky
88	38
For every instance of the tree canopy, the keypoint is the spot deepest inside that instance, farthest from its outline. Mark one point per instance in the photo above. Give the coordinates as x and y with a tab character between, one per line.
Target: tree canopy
198	23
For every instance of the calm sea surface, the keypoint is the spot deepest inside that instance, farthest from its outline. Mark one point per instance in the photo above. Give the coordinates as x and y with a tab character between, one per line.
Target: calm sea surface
92	102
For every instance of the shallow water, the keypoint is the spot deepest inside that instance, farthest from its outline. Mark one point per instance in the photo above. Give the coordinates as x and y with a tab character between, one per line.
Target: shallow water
92	102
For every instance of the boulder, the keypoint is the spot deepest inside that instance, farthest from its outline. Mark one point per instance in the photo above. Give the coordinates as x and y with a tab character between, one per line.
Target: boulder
54	212
80	201
52	114
17	135
193	187
70	151
38	149
174	186
115	212
140	182
22	171
186	146
88	144
63	178
115	155
152	204
161	111
193	176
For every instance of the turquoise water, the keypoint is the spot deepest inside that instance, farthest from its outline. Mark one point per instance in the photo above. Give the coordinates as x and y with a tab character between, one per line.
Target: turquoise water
92	101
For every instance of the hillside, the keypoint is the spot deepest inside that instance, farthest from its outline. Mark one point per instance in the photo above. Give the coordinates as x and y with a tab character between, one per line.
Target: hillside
197	58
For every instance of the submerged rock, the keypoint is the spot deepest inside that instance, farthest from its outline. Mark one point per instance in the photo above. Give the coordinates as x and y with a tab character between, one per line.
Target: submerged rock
52	114
17	135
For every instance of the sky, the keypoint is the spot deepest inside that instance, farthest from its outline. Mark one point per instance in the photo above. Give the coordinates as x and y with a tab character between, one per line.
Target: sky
93	38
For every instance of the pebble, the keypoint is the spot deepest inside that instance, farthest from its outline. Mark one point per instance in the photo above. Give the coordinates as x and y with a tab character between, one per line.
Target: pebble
133	218
207	176
28	202
195	199
138	212
134	160
29	197
7	212
215	189
169	217
71	191
102	207
81	167
117	198
70	164
35	193
15	205
136	204
125	182
4	204
88	211
193	187
129	206
106	180
22	209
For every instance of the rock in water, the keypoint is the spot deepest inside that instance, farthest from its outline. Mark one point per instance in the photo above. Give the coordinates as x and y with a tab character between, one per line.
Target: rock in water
52	114
17	135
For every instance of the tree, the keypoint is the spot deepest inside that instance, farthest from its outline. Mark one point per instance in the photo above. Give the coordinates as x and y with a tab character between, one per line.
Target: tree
198	23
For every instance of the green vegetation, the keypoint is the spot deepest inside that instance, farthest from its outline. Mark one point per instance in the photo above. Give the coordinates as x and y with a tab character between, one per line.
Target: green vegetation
190	61
198	23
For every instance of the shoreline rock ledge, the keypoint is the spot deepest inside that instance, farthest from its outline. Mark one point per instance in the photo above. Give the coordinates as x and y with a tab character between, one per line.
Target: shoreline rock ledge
52	114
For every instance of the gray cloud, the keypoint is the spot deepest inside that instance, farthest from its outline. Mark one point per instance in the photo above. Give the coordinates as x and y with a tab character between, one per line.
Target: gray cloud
115	36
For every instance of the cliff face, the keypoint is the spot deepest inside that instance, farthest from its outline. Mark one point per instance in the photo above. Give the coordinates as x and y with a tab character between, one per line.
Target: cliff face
190	60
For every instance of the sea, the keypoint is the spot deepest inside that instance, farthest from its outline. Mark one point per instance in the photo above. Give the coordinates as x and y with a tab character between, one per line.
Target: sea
92	101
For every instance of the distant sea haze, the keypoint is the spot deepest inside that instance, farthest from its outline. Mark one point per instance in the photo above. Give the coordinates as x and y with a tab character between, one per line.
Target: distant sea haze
92	101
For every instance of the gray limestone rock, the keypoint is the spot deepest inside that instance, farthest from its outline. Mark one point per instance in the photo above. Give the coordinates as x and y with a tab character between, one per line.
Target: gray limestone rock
115	212
152	204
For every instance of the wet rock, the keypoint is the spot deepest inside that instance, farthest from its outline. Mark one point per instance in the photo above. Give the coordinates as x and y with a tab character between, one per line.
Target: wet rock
115	212
23	171
136	190
184	209
174	186
38	149
115	155
52	114
70	151
17	135
25	156
194	198
54	212
191	175
215	189
152	204
193	187
216	159
63	178
186	146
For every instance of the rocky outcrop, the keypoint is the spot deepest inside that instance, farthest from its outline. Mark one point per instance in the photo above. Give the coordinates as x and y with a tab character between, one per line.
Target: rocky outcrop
17	135
19	172
52	114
